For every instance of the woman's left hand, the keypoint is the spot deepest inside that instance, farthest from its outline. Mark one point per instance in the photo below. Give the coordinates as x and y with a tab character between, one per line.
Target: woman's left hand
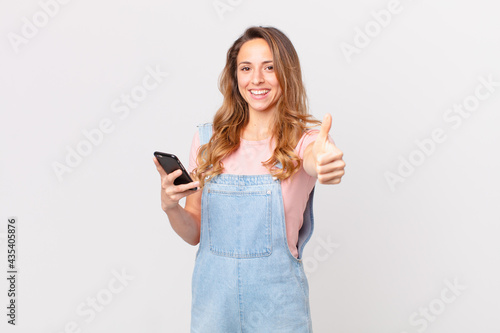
328	162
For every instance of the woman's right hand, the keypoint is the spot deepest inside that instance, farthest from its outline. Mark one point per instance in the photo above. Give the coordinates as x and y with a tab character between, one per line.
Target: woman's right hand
170	193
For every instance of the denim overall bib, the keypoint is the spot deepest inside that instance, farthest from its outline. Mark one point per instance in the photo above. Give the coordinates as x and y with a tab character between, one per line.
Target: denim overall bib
245	278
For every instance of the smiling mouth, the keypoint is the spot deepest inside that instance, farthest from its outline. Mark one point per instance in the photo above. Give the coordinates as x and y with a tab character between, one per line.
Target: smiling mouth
260	92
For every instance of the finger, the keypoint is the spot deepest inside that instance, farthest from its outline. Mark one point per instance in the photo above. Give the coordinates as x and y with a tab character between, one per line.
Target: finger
173	175
180	195
332	177
330	167
187	187
325	127
329	157
177	192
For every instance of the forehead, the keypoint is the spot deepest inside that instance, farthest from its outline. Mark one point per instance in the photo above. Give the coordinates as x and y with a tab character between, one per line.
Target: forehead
254	50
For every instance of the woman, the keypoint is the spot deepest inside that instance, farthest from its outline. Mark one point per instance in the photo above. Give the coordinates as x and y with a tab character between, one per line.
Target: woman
256	165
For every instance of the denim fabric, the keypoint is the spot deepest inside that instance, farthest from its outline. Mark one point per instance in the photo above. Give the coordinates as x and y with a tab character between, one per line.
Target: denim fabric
245	278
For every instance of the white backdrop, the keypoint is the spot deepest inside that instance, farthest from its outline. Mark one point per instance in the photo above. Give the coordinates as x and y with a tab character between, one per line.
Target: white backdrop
408	242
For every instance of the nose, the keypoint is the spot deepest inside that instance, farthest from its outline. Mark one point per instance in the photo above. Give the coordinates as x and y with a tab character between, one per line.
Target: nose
257	77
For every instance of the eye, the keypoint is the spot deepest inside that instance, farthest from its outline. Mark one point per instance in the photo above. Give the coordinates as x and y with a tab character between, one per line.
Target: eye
244	69
270	67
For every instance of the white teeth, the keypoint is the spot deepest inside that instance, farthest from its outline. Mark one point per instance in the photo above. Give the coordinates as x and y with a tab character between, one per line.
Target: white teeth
259	92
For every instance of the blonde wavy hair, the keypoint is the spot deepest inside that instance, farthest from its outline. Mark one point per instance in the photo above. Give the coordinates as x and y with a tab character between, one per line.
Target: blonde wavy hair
290	121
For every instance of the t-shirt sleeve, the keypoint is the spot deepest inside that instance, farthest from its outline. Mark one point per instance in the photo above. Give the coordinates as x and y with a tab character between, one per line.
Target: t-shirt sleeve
308	137
195	145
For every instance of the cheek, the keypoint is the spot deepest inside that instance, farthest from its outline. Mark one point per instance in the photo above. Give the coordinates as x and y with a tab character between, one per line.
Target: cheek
241	83
278	94
276	85
274	81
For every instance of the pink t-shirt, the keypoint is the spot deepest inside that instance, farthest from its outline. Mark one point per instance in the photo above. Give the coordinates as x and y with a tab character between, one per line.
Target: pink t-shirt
246	160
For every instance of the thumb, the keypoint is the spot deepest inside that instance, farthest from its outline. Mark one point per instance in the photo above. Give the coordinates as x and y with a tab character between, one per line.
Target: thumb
325	127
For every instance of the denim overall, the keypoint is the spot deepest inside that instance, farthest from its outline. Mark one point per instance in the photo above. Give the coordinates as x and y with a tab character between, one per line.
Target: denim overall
245	278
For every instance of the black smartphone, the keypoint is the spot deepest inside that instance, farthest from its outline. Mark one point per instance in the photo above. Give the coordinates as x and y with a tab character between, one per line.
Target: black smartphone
170	163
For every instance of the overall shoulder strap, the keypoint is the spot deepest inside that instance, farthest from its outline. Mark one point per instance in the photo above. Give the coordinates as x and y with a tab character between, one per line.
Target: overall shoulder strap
205	132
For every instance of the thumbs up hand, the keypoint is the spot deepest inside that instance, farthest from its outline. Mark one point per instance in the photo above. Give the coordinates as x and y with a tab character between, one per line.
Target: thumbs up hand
327	157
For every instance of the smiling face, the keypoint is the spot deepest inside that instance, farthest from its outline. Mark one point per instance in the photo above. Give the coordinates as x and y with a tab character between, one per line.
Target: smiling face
257	81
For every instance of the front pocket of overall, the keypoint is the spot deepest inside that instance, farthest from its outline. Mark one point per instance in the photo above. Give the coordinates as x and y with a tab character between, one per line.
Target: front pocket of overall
239	223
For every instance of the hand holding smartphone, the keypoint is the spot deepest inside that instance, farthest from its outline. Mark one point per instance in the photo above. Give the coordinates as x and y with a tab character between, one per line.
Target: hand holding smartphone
170	163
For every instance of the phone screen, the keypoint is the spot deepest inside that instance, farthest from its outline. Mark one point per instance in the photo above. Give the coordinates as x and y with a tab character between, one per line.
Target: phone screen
170	163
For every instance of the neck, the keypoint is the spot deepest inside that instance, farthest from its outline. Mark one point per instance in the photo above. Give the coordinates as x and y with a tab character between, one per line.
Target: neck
259	125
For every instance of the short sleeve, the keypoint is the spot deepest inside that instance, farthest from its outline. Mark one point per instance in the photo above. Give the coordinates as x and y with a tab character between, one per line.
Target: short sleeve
195	145
308	137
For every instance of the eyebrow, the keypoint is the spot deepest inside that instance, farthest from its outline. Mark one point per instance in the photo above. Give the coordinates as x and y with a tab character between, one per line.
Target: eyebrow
248	62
